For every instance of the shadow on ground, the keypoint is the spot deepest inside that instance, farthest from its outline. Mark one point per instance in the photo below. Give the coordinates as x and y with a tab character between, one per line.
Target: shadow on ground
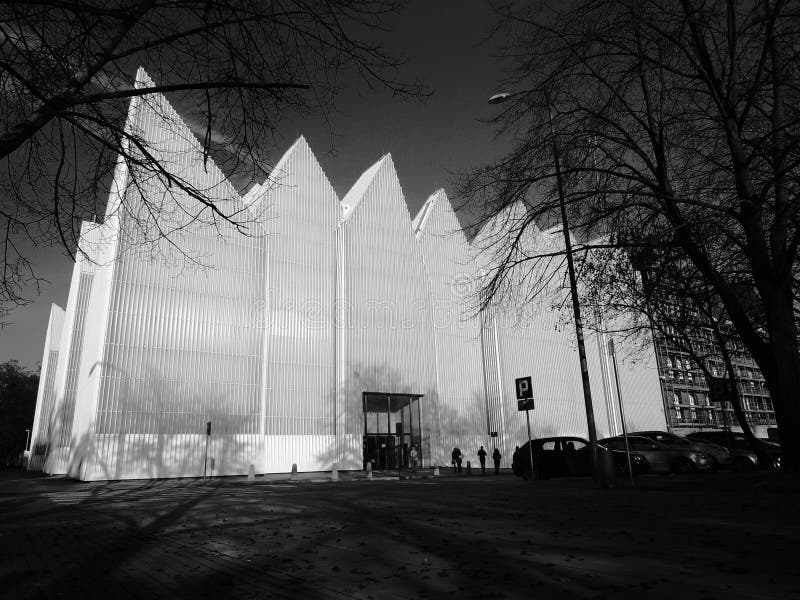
462	537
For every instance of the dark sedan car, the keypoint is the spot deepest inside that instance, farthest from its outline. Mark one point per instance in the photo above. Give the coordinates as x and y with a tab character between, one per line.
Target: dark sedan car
769	453
661	457
720	455
567	456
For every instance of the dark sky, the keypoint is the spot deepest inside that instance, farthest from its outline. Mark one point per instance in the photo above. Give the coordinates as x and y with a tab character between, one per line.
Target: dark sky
429	140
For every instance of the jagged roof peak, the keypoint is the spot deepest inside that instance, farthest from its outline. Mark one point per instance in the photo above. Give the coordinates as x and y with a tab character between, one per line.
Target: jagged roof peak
424	213
360	187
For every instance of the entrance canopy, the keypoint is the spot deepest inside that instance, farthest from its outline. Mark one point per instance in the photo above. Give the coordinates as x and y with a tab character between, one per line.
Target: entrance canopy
378	402
392	427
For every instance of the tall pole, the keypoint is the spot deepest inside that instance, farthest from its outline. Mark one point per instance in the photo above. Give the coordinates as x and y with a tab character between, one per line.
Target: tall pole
621	411
576	308
587	392
530	442
205	458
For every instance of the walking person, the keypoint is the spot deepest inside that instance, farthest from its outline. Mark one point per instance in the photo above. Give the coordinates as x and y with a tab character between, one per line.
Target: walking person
496	456
482	458
456	458
413	456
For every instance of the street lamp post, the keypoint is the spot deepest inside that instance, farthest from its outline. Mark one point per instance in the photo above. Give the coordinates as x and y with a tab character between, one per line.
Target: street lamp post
576	309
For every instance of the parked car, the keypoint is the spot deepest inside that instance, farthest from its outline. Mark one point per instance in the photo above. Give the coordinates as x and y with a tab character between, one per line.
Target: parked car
720	454
768	453
663	458
567	456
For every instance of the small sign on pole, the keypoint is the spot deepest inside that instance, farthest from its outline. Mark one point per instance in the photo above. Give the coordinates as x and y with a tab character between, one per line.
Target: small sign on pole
525	404
524	388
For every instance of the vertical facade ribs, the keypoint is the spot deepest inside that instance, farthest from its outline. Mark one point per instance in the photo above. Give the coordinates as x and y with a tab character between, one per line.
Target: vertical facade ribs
284	339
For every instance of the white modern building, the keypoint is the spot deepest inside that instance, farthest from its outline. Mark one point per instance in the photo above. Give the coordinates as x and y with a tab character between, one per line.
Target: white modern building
334	332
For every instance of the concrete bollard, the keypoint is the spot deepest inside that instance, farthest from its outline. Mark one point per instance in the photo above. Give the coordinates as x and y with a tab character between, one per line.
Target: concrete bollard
293	476
605	467
369	470
335	472
251	473
436	471
469	468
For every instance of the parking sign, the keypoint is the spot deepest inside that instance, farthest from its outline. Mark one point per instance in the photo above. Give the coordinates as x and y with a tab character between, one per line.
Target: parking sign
524	388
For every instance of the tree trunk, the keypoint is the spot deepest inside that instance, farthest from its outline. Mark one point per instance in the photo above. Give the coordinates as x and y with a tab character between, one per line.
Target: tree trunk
735	400
782	374
784	388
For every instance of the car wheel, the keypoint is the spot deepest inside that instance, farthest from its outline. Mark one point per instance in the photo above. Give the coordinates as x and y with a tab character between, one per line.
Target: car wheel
682	466
742	464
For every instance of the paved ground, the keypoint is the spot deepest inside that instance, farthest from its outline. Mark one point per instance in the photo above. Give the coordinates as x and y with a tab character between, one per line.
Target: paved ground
695	537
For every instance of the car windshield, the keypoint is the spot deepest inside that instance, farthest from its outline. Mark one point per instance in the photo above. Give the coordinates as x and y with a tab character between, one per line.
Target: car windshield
640	443
675	441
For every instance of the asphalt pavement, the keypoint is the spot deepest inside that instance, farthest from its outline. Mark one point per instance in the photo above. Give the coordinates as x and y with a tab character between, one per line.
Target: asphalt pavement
718	536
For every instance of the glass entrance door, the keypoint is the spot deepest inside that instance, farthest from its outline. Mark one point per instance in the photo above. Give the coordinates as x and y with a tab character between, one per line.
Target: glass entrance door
392	427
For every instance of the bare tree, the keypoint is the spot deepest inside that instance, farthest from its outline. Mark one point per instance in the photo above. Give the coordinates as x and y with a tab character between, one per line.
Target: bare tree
233	67
675	121
649	290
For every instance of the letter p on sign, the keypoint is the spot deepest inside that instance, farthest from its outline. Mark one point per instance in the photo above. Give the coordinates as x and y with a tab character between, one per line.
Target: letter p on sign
524	388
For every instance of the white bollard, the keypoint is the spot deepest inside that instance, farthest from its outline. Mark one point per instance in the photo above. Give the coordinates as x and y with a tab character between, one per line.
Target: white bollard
369	470
293	476
251	473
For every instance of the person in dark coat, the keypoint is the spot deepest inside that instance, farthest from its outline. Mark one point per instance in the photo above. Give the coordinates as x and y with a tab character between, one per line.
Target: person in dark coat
482	458
496	456
456	456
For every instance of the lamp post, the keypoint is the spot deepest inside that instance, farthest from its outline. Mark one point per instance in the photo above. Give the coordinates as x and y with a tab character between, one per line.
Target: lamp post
576	309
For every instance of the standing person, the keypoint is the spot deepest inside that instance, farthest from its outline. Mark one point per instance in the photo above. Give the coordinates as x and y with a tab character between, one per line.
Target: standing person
496	456
482	457
413	457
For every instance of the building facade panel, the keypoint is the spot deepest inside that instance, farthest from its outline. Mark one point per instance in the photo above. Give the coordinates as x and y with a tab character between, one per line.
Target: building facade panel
67	371
334	333
301	212
180	348
384	321
45	397
457	329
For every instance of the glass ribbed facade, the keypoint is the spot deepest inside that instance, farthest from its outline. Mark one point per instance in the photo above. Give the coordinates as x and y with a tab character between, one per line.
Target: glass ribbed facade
277	338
